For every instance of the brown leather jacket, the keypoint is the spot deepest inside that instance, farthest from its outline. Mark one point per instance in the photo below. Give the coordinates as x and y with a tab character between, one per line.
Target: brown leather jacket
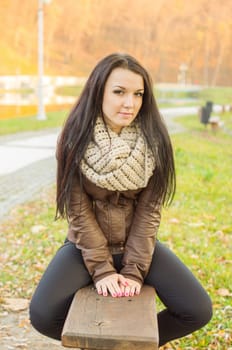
103	222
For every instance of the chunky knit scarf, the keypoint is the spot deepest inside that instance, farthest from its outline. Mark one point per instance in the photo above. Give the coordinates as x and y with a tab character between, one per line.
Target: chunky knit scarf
118	162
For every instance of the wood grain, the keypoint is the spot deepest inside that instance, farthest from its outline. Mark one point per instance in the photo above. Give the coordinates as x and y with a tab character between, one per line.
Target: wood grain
126	323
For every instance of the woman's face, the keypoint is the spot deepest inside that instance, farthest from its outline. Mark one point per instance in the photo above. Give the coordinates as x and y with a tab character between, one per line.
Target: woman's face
122	99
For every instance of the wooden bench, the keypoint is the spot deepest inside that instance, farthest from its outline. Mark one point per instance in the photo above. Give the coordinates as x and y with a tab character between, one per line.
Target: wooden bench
98	322
215	122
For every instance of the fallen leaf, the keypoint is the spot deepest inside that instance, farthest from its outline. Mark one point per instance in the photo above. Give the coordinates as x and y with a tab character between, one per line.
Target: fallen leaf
194	256
25	323
174	221
196	224
223	292
21	346
39	267
38	228
15	304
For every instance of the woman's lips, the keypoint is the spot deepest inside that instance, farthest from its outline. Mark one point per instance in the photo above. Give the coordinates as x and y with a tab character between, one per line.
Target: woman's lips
126	114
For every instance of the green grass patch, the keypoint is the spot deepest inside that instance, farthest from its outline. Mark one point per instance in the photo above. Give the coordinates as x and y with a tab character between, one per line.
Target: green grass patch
22	91
69	90
192	122
14	125
219	95
175	93
197	227
179	103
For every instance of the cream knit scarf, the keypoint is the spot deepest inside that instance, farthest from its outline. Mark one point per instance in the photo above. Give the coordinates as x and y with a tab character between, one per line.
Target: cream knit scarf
118	162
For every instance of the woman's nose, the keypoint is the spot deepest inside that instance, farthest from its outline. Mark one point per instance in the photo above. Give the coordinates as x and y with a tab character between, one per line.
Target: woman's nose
129	101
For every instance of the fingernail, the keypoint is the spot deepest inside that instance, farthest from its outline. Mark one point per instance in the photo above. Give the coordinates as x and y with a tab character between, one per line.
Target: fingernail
127	294
105	294
114	295
119	294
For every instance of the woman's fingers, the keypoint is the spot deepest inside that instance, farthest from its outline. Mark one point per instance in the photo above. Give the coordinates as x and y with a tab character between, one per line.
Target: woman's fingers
138	289
109	284
132	288
122	288
122	280
118	286
132	291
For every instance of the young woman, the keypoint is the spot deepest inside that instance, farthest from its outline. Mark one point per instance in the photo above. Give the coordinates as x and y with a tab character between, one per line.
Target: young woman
115	172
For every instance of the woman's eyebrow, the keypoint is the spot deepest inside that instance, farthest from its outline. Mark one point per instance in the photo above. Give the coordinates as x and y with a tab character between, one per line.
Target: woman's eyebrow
119	86
123	88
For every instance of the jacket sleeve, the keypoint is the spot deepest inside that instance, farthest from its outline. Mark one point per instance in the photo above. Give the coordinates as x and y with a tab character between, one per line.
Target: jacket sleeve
140	244
89	237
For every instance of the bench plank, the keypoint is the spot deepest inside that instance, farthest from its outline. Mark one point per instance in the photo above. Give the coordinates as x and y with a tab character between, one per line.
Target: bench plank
126	323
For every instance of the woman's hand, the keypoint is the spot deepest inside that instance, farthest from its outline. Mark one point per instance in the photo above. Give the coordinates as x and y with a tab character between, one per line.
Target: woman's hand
132	288
113	284
118	286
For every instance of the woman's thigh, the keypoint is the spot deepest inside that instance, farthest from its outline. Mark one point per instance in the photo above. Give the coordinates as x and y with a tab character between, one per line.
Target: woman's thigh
65	274
175	284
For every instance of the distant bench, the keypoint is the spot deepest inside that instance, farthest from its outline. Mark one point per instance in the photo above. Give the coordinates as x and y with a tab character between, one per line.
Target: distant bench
206	118
104	323
215	122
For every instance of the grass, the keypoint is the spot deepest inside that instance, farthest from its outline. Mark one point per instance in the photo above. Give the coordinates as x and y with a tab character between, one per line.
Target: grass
69	90
197	227
193	123
23	91
218	95
30	123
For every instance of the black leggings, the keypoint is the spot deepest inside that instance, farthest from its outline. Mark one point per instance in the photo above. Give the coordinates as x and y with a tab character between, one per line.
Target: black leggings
187	305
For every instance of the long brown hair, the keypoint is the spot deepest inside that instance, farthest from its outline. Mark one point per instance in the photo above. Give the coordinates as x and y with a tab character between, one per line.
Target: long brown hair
78	130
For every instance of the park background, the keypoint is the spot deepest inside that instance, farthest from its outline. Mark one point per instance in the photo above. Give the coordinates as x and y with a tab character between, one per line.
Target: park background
163	34
187	48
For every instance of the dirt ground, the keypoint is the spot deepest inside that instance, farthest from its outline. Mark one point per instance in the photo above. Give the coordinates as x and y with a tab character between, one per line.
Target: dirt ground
16	333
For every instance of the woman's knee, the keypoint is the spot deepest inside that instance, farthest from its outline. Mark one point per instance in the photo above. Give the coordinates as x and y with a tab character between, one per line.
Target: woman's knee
203	312
198	314
44	321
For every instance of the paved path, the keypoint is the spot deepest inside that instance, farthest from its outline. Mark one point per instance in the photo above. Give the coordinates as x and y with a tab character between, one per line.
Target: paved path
28	161
27	165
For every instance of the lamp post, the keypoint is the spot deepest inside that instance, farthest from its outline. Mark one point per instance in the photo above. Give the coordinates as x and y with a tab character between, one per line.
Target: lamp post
41	111
183	73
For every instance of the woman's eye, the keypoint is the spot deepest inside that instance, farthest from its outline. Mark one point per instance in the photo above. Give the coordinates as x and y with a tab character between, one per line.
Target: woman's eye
139	94
118	92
